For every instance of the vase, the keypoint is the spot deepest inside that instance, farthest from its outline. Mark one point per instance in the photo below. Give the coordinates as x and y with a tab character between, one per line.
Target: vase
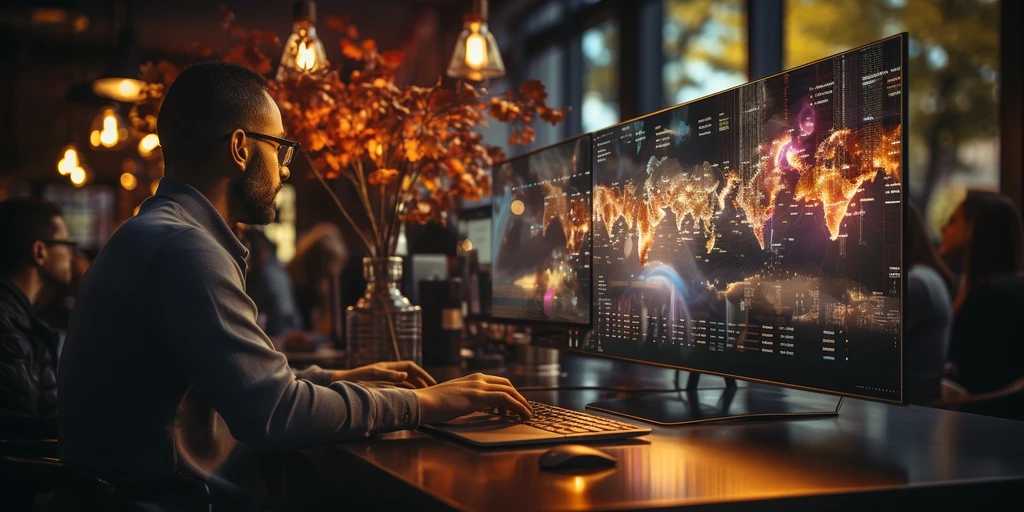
367	328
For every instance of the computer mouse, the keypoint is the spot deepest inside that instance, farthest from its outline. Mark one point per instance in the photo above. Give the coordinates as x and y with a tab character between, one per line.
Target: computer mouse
575	456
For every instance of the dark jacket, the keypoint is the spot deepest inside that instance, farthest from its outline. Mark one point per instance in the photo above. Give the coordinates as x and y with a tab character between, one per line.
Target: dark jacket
28	360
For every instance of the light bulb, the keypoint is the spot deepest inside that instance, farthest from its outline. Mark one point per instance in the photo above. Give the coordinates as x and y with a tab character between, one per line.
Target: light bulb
68	162
476	56
77	176
108	136
108	130
305	57
304	53
476	51
148	144
128	181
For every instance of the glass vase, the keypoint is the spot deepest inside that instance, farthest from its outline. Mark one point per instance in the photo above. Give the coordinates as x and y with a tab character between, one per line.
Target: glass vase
367	329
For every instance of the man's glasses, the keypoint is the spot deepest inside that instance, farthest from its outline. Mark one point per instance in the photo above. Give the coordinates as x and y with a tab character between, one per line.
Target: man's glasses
286	149
70	243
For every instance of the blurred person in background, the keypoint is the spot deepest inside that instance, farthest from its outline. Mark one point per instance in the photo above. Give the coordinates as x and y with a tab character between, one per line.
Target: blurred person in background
269	286
55	306
35	261
985	238
929	314
320	257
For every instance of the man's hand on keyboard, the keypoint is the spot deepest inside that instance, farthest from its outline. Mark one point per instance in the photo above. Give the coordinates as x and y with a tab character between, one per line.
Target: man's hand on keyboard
465	395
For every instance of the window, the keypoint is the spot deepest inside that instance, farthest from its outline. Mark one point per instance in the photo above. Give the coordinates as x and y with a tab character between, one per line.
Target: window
88	212
953	131
704	45
600	106
548	66
282	231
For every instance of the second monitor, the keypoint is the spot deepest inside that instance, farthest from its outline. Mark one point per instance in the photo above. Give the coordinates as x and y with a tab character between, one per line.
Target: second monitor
541	226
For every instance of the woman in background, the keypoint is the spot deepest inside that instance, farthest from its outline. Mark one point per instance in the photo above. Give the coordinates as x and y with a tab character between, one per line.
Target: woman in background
985	236
928	315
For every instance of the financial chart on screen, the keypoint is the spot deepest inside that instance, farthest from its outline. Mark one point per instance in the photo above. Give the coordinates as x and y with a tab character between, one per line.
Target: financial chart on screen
757	232
541	222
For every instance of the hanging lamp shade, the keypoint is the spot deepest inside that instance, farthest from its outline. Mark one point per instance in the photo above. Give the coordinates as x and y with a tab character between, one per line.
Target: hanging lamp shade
120	79
476	56
304	52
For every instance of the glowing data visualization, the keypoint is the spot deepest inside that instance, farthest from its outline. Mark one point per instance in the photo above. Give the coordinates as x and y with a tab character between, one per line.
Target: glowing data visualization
541	219
757	232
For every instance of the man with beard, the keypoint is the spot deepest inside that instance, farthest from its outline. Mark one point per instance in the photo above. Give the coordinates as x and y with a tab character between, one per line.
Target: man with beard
163	311
34	262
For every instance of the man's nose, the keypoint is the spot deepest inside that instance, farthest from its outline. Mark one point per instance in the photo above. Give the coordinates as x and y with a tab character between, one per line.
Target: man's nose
285	173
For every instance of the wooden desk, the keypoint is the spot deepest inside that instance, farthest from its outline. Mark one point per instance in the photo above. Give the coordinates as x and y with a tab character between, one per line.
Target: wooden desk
871	454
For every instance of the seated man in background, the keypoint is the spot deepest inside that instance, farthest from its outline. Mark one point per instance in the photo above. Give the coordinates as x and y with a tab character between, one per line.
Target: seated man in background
35	260
163	311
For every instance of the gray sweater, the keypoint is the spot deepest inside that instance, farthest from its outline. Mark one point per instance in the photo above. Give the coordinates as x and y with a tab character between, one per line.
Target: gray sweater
163	309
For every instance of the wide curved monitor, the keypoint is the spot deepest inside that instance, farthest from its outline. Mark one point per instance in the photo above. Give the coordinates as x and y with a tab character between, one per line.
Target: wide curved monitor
756	233
541	215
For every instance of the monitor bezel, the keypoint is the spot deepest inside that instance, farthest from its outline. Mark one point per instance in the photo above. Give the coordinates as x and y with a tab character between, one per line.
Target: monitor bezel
572	326
904	204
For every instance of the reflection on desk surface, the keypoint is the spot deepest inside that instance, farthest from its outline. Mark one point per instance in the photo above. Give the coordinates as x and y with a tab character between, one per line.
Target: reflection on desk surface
686	464
868	446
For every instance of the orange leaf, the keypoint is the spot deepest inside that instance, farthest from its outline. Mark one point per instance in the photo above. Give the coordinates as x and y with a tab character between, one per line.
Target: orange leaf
534	90
412	150
455	167
383	177
350	50
369	46
317	140
393	58
333	162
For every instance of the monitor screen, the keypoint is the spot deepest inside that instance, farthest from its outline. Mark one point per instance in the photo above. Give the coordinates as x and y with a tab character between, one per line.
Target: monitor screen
756	233
541	224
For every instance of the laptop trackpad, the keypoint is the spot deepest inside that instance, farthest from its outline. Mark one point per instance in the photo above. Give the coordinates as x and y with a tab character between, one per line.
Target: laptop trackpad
488	428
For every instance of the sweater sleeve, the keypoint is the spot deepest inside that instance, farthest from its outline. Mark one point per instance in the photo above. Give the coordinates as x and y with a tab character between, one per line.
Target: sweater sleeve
209	329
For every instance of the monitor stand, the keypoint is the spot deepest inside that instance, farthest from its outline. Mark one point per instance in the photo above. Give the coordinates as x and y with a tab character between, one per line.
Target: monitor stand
692	405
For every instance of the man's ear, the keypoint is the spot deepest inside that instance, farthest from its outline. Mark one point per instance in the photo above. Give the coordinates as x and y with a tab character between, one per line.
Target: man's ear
239	151
38	253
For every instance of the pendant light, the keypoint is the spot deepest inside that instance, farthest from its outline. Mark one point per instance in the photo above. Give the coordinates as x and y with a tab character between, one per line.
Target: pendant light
120	80
303	51
476	56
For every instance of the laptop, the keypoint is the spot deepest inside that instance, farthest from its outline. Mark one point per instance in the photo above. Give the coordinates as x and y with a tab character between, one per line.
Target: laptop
549	425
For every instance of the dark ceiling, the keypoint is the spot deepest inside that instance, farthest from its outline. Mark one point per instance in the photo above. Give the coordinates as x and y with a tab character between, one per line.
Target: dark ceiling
46	50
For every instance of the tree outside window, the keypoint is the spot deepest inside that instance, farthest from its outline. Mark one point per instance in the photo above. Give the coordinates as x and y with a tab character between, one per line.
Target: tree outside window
953	77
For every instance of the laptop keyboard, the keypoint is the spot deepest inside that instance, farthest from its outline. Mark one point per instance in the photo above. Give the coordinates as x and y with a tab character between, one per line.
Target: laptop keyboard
567	421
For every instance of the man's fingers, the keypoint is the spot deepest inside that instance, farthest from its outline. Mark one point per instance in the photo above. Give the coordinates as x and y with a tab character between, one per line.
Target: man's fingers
413	369
418	381
390	375
511	391
502	399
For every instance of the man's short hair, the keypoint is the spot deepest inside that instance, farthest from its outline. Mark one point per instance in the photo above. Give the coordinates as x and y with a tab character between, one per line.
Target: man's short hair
204	104
23	221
